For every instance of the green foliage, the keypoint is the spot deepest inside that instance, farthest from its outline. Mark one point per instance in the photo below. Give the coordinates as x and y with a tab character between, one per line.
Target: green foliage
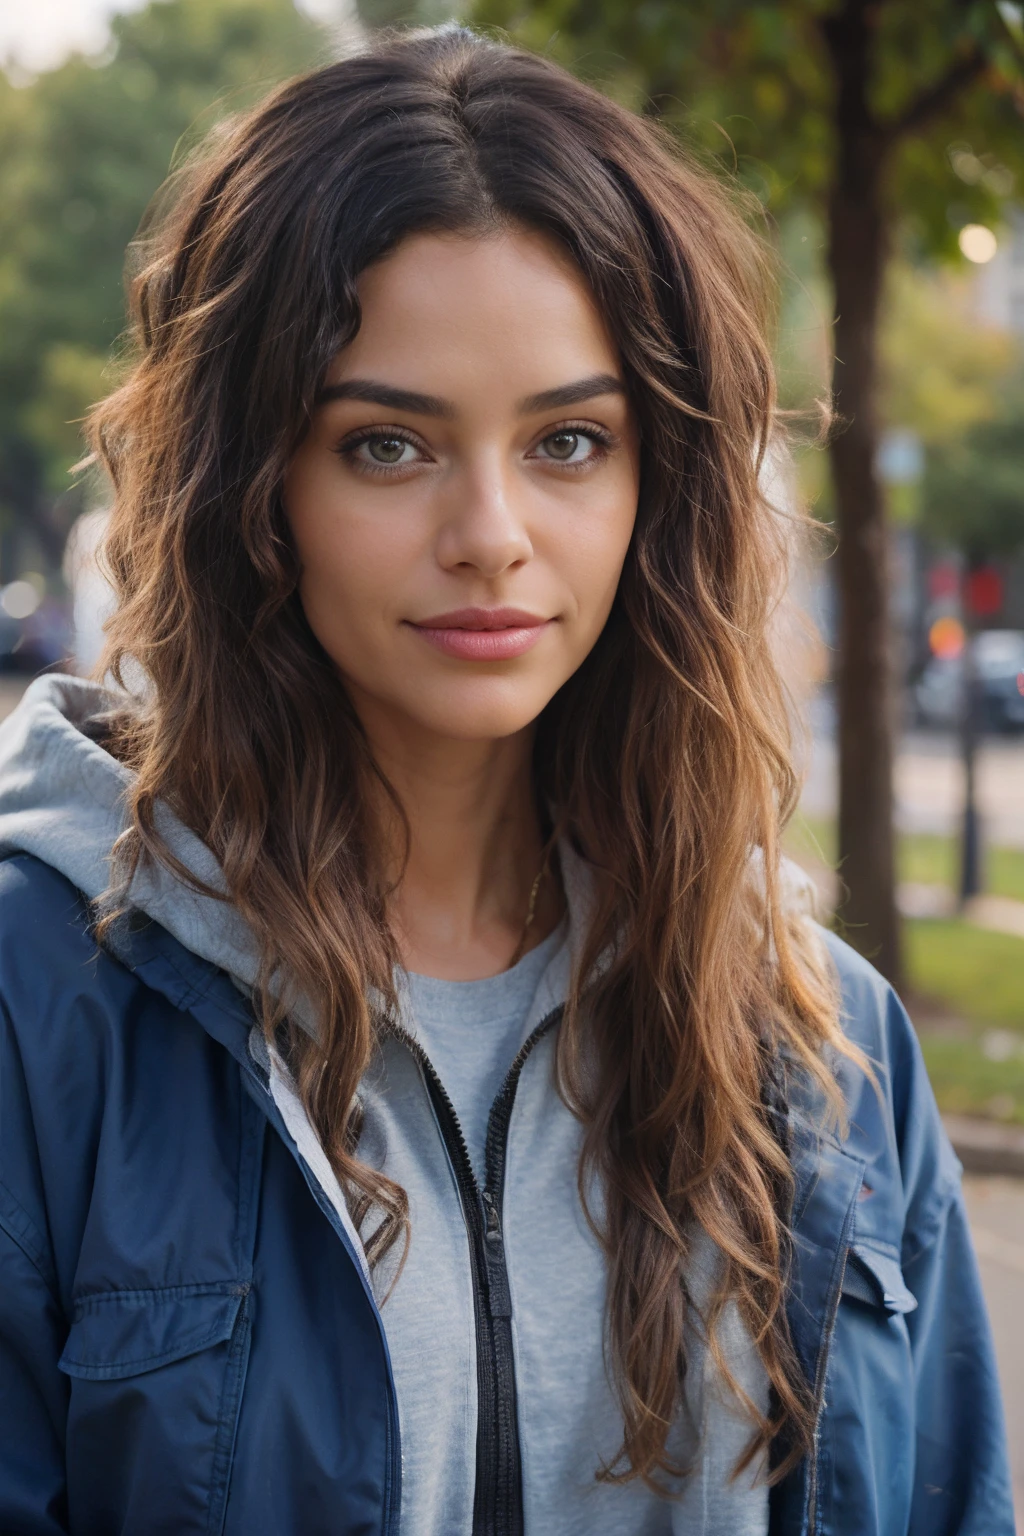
753	87
943	373
974	486
82	150
951	379
70	379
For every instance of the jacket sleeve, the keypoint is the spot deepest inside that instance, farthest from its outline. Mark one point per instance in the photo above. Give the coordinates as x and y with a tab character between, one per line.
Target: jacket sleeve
961	1481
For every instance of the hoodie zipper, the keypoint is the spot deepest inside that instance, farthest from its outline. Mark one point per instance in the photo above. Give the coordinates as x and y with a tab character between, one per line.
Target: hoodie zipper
498	1493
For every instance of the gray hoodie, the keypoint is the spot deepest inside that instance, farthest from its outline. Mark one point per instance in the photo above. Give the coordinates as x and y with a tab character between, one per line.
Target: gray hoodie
61	799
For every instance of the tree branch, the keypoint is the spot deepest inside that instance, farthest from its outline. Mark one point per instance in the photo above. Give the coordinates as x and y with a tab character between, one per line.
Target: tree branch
942	94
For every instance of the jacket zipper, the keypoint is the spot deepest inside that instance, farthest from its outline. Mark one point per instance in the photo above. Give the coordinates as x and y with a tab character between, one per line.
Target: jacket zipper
498	1494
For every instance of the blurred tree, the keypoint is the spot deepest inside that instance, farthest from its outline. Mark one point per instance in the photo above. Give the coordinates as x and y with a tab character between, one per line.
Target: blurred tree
889	118
942	372
974	484
82	150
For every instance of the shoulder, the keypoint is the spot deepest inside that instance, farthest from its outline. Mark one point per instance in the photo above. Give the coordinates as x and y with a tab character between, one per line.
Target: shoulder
48	953
38	902
75	1024
871	1013
65	1005
60	1018
874	1019
73	1011
893	1121
105	1083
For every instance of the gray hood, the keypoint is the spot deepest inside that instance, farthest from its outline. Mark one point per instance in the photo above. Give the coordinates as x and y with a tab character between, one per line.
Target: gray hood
62	799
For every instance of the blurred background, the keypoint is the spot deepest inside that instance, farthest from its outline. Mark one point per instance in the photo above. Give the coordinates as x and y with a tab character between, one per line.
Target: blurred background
884	146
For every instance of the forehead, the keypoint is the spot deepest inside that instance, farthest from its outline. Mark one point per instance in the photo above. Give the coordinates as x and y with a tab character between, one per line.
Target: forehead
510	305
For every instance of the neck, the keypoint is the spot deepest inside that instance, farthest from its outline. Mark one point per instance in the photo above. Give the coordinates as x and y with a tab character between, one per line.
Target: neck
475	849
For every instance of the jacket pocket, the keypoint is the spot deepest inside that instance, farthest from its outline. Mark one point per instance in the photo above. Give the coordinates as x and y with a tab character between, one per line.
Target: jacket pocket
124	1333
156	1392
875	1278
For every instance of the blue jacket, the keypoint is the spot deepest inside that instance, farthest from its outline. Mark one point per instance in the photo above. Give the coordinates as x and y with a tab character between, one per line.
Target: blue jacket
188	1343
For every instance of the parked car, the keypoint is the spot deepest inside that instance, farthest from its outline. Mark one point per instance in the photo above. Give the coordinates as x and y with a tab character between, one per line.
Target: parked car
999	659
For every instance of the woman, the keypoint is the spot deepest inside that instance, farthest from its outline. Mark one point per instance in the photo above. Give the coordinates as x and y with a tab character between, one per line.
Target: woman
424	1107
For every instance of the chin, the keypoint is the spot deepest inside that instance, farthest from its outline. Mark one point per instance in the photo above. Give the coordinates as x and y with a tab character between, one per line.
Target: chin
481	711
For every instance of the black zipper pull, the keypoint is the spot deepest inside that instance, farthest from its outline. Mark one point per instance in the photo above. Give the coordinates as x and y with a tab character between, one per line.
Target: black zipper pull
492	1223
498	1294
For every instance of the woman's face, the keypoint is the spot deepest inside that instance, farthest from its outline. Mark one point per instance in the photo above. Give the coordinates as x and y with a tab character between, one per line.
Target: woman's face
463	502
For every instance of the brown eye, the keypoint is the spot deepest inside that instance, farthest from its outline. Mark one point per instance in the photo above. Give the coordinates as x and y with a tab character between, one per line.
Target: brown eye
386	450
562	445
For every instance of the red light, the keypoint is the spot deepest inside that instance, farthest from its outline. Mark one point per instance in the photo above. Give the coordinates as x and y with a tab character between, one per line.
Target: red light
943	581
1020	684
984	592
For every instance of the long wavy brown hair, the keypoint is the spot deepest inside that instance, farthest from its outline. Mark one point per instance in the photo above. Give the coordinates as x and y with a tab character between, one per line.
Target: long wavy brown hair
665	759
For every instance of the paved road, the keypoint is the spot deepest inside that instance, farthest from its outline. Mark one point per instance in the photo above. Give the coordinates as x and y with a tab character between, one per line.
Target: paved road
929	781
996	1208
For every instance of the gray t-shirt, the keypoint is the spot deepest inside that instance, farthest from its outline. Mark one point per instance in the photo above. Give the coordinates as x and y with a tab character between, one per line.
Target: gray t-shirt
570	1420
472	1032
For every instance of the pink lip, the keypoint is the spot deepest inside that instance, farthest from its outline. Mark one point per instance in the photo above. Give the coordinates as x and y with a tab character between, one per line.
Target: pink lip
483	634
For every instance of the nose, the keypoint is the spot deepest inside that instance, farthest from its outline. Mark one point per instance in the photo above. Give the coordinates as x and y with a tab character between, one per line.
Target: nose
483	527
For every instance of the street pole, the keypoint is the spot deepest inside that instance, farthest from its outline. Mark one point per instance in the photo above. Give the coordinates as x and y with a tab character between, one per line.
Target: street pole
970	846
982	593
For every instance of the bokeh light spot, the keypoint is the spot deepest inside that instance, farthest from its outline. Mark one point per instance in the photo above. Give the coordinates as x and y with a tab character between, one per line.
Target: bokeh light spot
946	638
19	599
978	243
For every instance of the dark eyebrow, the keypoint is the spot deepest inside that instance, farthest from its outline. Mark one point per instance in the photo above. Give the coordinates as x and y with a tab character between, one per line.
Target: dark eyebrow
388	395
395	399
572	394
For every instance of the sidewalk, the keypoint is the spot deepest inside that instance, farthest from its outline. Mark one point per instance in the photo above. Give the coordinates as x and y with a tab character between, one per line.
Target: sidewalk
1000	914
929	784
987	1147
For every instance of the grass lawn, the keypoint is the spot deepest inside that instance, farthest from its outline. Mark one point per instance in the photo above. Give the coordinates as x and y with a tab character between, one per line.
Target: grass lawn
922	857
967	1083
966	984
979	978
976	974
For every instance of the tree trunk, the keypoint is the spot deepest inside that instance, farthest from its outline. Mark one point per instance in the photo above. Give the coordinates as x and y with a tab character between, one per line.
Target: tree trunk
857	254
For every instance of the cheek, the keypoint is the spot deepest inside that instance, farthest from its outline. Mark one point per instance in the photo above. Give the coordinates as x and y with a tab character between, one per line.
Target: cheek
590	549
352	553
